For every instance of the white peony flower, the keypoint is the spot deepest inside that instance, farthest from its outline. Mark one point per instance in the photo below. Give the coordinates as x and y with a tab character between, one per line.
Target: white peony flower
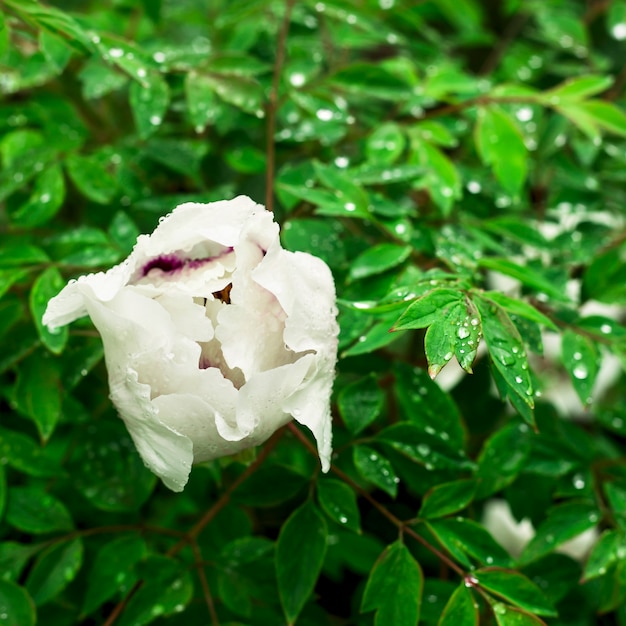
214	336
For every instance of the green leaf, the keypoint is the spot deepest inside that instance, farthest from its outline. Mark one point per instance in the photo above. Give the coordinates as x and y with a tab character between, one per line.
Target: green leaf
107	469
372	81
500	145
299	557
520	308
424	446
46	286
360	403
38	392
606	115
54	50
91	176
16	605
22	453
3	490
113	571
606	552
506	349
54	569
581	360
99	79
245	550
244	92
339	502
34	511
447	498
431	307
442	180
45	201
502	458
14	557
461	609
510	616
378	259
394	588
167	589
424	404
516	589
385	144
376	469
579	88
351	198
564	522
17	254
438	346
123	231
149	102
269	485
526	275
462	536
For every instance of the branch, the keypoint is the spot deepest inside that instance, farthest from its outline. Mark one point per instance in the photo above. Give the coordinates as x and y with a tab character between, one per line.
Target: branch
272	107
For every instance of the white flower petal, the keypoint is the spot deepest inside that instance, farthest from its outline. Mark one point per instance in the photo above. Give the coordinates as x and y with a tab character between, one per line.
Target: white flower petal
214	336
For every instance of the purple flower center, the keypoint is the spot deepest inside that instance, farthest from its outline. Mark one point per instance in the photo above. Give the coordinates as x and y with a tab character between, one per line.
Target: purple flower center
164	262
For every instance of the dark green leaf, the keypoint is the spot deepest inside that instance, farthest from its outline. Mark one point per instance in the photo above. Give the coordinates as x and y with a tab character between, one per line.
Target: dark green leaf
167	589
506	349
339	502
45	201
35	511
22	453
470	538
113	571
581	360
502	458
16	605
299	557
54	569
360	403
92	177
520	308
564	522
510	616
394	588
44	288
447	498
604	554
376	469
516	589
38	392
461	609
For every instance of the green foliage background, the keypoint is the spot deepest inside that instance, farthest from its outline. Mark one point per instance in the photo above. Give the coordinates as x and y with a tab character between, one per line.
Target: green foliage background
425	150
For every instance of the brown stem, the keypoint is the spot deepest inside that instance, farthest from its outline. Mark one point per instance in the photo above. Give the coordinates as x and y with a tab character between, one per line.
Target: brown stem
402	526
190	536
272	107
206	591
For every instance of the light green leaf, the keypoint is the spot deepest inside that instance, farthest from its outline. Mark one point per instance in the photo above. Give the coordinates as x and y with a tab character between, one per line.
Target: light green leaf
579	88
385	144
500	144
149	102
431	307
201	102
378	259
